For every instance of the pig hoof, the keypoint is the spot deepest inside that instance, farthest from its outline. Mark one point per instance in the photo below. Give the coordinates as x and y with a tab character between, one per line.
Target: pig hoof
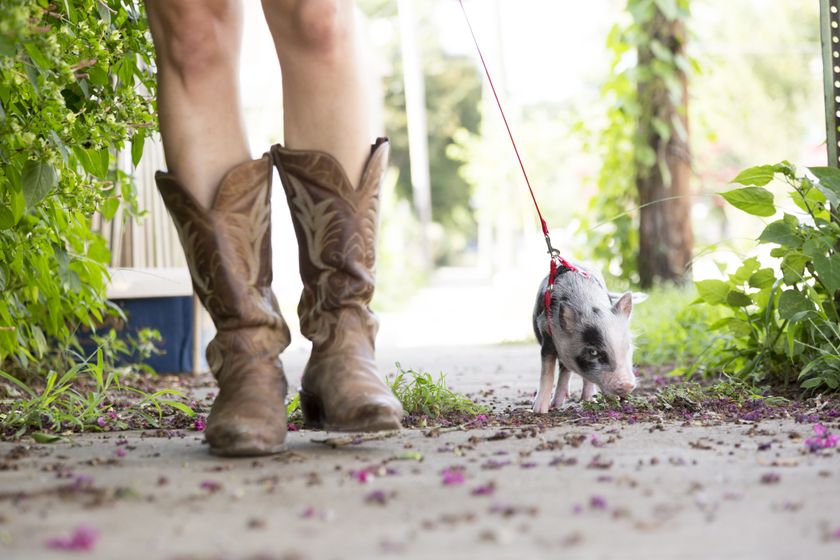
558	403
541	407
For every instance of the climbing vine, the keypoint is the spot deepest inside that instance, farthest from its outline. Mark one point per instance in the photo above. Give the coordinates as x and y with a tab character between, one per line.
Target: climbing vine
640	62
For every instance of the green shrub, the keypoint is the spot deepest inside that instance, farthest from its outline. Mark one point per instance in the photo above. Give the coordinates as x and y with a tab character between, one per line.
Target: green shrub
781	323
70	73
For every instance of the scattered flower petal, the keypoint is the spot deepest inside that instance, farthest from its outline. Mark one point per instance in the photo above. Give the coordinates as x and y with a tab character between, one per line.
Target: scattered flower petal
120	451
210	485
292	427
377	497
484	490
770	478
83	538
452	477
598	502
101	422
200	424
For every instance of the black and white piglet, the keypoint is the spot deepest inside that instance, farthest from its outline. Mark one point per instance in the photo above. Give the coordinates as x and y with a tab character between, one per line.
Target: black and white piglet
589	335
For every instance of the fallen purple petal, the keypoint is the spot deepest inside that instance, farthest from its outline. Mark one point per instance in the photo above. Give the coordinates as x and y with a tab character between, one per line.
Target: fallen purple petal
598	502
770	478
83	538
484	490
452	477
292	427
120	451
210	485
377	497
101	422
200	424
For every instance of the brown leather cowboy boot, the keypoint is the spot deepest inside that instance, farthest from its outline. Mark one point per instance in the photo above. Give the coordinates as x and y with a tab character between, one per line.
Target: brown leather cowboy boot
228	250
336	226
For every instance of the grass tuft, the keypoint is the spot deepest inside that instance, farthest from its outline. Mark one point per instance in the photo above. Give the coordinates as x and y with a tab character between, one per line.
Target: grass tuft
420	393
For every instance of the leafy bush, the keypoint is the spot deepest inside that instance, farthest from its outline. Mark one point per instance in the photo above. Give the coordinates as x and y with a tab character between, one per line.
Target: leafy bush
70	73
782	322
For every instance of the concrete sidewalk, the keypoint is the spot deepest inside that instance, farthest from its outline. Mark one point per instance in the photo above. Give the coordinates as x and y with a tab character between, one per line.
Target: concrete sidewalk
614	490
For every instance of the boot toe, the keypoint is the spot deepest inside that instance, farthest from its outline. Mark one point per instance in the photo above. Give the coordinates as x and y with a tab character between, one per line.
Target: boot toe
245	438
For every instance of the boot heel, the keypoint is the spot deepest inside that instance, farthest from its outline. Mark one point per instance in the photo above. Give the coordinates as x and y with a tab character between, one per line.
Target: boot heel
312	409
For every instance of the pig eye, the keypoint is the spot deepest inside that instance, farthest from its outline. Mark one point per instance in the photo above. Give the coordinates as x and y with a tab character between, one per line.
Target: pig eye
593	352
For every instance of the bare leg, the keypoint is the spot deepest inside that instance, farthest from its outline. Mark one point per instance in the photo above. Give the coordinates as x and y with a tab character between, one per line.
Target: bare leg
197	44
543	399
562	391
589	390
325	87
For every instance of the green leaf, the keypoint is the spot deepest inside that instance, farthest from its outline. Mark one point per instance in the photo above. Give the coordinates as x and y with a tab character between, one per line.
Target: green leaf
793	267
737	298
781	233
178	405
138	142
792	302
752	200
757	176
41	437
812	383
7	220
38	178
37	56
713	292
763	278
745	271
7	46
110	207
828	270
829	183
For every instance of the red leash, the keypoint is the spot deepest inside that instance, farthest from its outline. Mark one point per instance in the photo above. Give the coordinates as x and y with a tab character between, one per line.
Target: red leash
556	259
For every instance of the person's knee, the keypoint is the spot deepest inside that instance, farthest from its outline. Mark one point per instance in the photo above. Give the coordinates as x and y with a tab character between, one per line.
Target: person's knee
194	38
320	26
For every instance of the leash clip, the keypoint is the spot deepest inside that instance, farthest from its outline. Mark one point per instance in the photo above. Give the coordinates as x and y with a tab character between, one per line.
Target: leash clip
555	253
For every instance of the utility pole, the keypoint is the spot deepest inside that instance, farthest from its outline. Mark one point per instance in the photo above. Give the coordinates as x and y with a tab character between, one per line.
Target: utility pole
830	38
415	109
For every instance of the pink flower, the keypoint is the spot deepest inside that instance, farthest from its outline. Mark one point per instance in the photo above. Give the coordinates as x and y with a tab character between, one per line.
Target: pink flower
200	424
822	440
83	538
112	415
362	476
452	477
101	422
119	452
292	427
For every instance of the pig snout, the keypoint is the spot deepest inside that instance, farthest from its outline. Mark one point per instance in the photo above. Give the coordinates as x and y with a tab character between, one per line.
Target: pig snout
621	387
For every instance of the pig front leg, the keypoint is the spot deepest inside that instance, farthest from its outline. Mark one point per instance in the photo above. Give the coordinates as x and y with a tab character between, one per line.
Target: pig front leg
562	391
543	400
589	390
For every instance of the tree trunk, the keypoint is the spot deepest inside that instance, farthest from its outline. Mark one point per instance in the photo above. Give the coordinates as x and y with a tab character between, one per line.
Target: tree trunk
665	235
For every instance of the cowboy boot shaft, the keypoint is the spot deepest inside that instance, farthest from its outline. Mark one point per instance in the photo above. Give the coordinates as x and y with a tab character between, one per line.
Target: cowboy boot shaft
336	226
228	247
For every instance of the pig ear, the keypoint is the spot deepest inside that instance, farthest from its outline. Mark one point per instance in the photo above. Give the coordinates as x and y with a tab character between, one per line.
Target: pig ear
639	297
624	304
567	317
